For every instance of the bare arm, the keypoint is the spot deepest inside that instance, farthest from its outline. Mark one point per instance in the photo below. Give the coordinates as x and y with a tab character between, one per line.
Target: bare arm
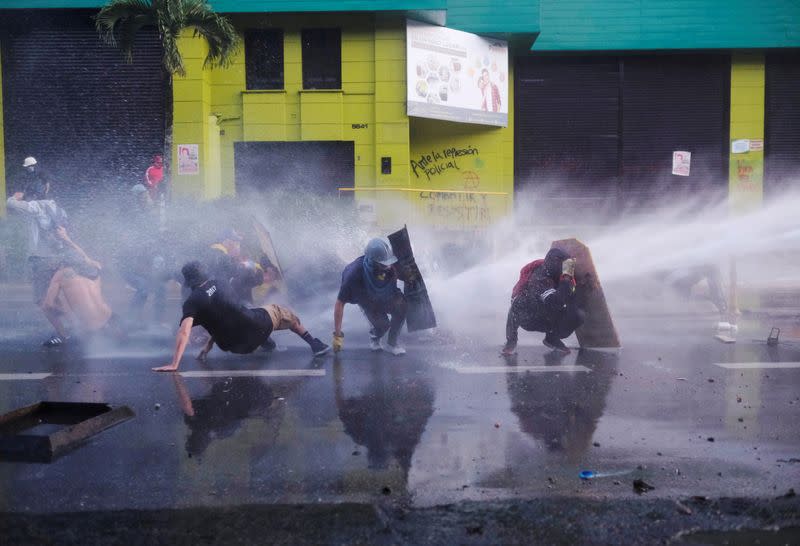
15	202
338	313
64	236
181	340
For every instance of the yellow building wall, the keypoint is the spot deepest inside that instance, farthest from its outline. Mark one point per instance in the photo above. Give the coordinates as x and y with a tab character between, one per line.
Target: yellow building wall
746	175
369	110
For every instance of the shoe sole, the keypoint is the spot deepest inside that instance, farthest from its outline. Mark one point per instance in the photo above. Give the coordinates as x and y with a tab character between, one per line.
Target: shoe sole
564	351
324	351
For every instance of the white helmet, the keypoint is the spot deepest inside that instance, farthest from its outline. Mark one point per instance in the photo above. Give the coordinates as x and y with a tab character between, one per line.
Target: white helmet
29	162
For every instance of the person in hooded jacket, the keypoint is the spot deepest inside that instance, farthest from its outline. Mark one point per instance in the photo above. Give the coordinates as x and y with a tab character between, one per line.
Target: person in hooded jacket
543	300
370	282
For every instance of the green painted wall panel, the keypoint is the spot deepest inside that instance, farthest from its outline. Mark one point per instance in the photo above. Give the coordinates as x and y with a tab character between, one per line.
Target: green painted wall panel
494	16
585	25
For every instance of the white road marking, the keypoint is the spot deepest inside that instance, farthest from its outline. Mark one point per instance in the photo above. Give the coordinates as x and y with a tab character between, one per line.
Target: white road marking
756	365
23	376
518	369
254	373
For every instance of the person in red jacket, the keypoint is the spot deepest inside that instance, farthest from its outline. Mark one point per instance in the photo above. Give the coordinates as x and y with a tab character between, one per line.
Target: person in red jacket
543	300
154	175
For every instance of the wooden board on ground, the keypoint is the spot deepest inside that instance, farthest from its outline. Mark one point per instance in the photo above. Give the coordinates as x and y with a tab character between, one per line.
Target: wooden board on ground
598	331
268	291
420	315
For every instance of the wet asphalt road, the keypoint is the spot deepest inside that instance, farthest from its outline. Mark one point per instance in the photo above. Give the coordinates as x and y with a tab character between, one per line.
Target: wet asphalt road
449	422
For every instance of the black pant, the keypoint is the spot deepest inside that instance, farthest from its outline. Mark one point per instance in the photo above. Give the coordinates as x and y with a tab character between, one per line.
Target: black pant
377	314
533	318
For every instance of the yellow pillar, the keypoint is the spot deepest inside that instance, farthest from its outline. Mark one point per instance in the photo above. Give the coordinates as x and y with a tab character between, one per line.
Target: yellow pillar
746	174
194	128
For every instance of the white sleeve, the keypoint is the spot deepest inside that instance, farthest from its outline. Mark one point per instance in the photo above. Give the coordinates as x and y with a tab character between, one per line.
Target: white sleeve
22	206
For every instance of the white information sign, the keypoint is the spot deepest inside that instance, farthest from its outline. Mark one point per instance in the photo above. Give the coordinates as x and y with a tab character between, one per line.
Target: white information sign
681	163
456	76
188	159
741	146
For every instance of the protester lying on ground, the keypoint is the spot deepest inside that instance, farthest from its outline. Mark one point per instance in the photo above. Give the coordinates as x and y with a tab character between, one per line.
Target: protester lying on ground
370	282
543	300
232	326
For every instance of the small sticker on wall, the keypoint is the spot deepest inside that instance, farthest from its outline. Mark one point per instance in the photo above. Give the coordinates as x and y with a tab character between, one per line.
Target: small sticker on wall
740	146
681	163
756	144
188	159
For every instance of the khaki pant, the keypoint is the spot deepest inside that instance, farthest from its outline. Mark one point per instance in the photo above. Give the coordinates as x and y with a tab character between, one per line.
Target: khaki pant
282	317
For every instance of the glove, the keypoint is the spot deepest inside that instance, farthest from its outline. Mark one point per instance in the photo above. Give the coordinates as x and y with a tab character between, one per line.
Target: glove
568	267
338	342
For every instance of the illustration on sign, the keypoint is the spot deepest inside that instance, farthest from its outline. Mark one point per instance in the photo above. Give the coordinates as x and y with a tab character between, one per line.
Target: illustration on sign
188	159
740	146
681	163
456	76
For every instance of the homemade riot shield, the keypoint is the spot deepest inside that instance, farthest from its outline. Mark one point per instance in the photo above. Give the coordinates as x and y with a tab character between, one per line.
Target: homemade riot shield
598	330
420	314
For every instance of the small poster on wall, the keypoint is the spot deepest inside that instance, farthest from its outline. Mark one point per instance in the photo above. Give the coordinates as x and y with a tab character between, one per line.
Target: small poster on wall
681	163
188	159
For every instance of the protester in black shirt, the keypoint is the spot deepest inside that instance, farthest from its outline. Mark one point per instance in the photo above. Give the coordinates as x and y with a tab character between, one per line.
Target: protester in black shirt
235	328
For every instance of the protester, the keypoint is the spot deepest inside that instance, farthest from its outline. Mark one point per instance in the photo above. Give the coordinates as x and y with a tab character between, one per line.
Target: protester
232	326
78	296
142	260
370	282
225	263
154	176
49	247
543	300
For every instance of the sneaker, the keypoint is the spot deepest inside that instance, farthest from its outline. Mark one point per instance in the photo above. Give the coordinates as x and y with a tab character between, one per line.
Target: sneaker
319	348
55	341
552	342
396	350
269	345
375	344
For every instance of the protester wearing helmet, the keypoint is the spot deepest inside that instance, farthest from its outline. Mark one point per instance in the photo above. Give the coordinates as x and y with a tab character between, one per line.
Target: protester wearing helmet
370	282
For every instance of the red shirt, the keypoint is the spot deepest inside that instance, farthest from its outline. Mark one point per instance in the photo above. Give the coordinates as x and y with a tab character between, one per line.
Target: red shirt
153	177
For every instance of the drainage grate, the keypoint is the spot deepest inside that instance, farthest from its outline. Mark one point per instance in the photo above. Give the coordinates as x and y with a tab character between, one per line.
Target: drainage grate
43	432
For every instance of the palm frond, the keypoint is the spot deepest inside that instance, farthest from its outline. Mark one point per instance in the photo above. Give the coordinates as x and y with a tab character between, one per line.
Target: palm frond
117	14
219	32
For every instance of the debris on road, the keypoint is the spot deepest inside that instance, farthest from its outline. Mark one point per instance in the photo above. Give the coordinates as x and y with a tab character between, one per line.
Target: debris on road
640	486
683	509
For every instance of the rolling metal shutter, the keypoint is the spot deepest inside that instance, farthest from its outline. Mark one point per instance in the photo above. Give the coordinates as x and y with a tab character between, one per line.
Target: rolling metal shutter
567	132
782	130
674	103
90	119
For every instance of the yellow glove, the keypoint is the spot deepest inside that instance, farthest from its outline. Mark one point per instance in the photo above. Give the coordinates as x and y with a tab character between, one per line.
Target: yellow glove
568	267
338	342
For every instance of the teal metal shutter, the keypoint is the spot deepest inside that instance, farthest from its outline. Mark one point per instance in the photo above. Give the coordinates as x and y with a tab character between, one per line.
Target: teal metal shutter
782	129
91	119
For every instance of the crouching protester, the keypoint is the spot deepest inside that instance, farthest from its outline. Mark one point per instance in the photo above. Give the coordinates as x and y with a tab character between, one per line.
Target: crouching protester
232	326
543	300
371	283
